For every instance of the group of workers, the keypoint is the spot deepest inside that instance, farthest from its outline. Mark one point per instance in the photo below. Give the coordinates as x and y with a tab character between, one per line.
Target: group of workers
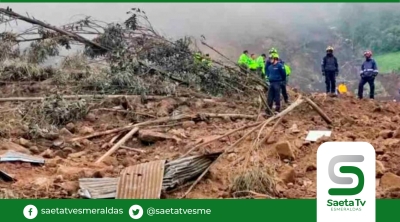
274	70
276	73
330	69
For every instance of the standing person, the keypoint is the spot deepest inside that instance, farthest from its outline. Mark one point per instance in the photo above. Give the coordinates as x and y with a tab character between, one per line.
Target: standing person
369	70
252	63
330	69
276	75
261	65
244	60
287	71
270	53
198	57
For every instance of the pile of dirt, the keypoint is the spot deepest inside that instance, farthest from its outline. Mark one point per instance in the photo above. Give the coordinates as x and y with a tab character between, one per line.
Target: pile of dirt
285	162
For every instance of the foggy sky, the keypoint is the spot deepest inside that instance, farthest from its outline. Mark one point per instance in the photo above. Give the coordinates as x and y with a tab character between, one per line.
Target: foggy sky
179	19
226	26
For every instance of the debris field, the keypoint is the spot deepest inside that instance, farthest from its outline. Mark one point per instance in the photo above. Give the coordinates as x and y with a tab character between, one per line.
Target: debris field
137	118
285	158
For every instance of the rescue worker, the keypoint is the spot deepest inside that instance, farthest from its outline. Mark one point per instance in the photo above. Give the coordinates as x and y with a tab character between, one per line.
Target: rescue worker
369	70
330	69
276	75
207	60
252	63
284	84
270	52
261	65
198	57
244	60
287	71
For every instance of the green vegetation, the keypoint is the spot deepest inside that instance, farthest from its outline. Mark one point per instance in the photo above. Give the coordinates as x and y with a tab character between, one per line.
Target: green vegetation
388	62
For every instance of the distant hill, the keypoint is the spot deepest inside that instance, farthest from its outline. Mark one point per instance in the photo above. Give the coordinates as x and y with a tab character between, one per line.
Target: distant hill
389	62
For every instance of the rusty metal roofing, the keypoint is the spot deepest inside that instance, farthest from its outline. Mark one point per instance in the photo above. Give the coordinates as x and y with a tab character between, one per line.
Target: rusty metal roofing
143	181
183	170
11	156
98	188
172	174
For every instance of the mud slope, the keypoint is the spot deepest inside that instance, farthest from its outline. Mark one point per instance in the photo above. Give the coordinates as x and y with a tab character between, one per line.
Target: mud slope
372	121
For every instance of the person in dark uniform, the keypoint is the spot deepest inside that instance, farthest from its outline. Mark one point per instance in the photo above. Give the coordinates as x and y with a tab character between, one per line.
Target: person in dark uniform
276	76
330	69
369	70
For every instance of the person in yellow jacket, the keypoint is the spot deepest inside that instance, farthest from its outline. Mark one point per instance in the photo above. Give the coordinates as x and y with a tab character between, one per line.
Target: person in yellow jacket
207	60
244	60
198	57
253	65
287	70
261	65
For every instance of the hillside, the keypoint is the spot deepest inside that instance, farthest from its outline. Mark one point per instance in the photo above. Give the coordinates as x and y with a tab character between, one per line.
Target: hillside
290	171
388	62
135	109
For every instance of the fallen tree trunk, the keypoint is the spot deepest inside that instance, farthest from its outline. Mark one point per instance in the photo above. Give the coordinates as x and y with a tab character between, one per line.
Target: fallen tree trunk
225	135
97	134
162	120
272	130
48	26
319	110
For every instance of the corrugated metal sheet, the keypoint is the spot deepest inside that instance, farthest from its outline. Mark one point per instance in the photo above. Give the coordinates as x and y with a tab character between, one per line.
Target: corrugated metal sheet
98	188
181	171
143	181
172	174
11	156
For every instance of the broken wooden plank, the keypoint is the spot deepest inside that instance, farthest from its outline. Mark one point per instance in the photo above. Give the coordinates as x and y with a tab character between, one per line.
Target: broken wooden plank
143	181
117	145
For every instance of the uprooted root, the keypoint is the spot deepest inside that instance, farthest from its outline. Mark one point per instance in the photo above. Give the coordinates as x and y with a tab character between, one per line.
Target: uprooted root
257	179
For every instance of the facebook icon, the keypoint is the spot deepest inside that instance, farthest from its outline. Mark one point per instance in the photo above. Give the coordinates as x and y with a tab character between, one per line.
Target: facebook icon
30	212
